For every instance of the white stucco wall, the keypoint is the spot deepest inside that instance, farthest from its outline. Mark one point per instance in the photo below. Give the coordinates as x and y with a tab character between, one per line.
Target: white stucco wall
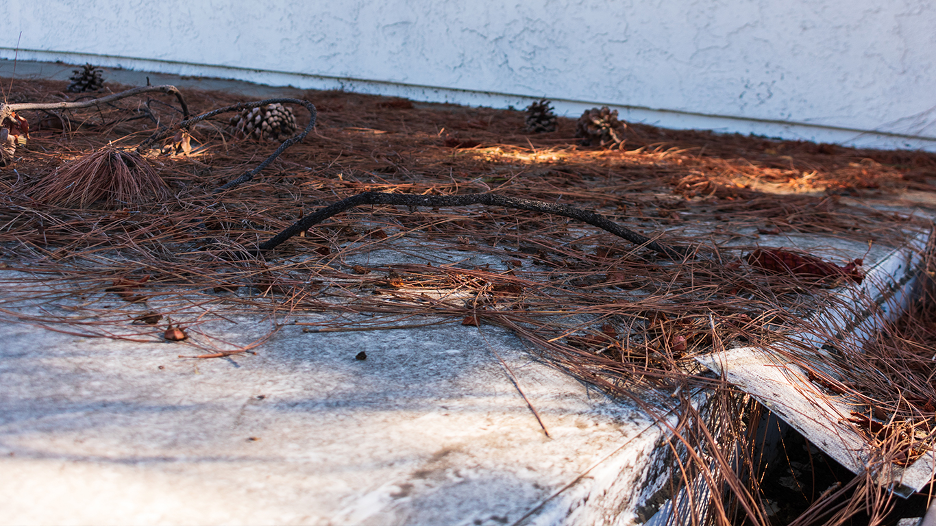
850	71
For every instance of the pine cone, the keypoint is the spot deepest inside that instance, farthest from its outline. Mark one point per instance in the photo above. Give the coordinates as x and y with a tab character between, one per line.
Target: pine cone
273	122
540	117
601	126
86	79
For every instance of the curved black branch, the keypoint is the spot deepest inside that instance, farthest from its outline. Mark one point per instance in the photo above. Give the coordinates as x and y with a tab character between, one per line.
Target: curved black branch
164	132
380	198
7	109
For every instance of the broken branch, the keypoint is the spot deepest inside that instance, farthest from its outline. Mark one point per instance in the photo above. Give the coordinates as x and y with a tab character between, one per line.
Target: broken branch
8	109
380	198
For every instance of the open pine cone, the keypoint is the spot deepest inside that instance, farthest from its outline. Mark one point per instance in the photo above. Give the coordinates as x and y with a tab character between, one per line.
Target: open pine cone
273	122
601	127
540	117
88	78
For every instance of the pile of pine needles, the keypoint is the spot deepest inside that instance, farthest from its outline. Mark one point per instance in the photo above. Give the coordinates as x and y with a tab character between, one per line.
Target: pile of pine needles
112	176
112	255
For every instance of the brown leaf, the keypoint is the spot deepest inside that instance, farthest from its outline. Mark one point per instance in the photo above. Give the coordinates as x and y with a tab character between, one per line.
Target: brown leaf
823	381
656	318
124	289
508	288
149	318
124	285
181	143
802	264
873	426
186	143
879	413
130	297
174	334
678	343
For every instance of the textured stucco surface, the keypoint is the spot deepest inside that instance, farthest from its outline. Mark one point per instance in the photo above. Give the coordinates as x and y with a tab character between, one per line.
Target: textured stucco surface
858	65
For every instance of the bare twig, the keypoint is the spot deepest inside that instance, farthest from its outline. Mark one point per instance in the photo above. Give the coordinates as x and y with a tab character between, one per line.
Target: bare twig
7	109
381	198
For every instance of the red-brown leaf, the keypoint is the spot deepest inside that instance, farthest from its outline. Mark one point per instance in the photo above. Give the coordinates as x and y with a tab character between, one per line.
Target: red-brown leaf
803	265
678	344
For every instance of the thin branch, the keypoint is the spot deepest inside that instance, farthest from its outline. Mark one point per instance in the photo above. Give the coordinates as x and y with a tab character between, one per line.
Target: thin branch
7	109
380	198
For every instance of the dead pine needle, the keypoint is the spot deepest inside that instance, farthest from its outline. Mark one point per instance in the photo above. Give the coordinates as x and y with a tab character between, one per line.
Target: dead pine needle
527	231
110	176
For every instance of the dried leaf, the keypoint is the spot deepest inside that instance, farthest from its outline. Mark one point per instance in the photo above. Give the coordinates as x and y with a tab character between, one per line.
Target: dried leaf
125	287
866	423
174	334
802	265
678	344
508	288
824	381
149	318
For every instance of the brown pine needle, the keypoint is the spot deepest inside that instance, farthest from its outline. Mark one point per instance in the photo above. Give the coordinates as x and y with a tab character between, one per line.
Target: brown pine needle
112	176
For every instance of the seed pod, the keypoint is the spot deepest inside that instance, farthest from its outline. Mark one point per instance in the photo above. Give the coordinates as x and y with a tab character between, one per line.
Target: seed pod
540	117
273	122
174	334
601	126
